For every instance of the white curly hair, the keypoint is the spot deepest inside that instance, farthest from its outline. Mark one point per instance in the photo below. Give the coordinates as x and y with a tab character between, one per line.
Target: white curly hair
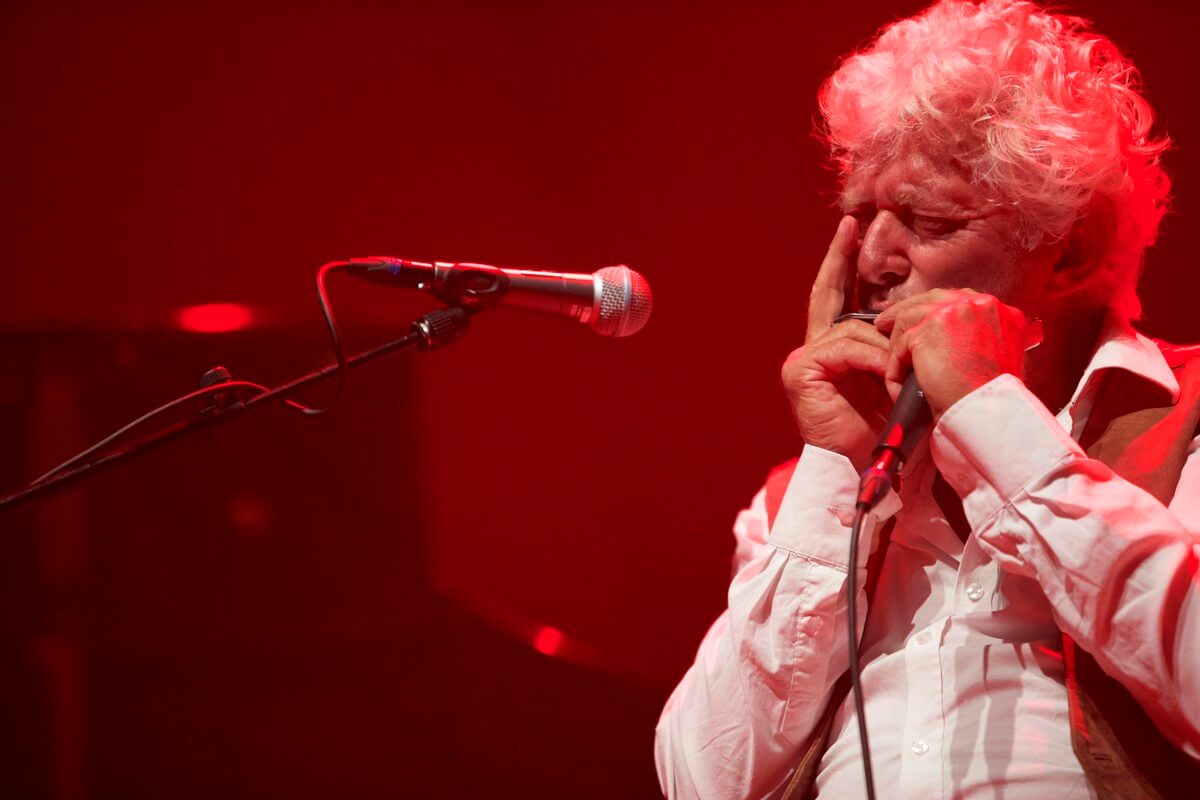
1045	115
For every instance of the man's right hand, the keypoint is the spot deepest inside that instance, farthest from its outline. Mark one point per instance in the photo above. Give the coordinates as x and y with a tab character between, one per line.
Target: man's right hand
835	381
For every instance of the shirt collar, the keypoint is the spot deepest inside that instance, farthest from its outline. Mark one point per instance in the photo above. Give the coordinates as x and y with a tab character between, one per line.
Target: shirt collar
1122	347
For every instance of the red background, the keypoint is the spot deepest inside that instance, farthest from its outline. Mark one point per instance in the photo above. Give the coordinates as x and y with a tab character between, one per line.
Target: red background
320	635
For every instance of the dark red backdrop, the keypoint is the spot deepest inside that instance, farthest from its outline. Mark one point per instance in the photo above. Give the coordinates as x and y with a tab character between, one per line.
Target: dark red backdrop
534	475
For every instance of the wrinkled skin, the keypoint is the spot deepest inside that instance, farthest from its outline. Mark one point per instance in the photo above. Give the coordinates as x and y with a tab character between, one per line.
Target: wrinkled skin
957	292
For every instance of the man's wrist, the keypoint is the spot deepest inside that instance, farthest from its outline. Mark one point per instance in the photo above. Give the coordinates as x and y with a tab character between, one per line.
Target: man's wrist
994	441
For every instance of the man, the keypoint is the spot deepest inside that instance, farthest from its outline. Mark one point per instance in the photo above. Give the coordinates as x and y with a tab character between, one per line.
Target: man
1000	185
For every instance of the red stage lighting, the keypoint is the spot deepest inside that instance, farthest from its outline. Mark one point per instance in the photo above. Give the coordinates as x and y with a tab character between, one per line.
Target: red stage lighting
547	640
214	317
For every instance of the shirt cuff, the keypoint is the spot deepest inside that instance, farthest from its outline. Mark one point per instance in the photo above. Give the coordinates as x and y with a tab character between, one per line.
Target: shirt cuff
995	441
817	512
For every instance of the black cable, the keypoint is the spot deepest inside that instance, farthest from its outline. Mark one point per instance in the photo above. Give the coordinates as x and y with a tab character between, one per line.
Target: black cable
205	393
342	370
335	335
860	513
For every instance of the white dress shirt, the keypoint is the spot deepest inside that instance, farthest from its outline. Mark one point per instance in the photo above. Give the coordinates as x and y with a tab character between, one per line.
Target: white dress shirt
962	667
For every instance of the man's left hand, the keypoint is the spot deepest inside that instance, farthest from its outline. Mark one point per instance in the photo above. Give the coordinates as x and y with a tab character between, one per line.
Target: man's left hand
955	340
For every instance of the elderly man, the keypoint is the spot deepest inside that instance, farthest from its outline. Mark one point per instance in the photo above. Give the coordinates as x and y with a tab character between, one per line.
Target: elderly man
1034	608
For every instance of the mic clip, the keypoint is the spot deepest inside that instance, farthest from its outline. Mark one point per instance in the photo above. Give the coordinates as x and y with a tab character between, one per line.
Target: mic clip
473	286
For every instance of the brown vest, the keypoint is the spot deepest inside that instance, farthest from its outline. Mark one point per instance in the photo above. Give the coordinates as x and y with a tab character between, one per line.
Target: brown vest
1144	438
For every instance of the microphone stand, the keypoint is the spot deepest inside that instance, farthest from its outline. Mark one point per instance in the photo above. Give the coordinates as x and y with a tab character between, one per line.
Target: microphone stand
435	329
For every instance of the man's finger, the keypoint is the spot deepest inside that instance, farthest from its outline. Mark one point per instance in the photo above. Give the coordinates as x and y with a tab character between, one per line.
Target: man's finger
909	310
828	296
899	360
852	329
842	356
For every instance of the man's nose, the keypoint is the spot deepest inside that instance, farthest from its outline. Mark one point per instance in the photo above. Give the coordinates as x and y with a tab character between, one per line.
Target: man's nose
883	258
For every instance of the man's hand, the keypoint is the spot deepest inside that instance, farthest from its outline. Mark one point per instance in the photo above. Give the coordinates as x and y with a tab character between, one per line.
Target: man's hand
834	382
955	340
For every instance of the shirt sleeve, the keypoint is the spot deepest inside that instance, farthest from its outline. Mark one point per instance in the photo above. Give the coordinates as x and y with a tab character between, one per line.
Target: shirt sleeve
736	723
1119	568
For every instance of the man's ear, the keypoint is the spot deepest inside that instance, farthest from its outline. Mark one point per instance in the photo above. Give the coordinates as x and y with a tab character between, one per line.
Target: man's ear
1086	260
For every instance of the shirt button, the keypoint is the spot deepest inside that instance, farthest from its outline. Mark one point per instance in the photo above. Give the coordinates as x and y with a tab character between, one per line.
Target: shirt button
923	637
920	747
974	591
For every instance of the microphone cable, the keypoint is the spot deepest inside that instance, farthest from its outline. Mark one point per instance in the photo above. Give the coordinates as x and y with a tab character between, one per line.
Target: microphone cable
335	335
860	513
206	392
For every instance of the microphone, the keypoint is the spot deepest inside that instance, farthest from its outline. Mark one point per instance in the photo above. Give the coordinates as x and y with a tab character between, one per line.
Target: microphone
909	420
613	301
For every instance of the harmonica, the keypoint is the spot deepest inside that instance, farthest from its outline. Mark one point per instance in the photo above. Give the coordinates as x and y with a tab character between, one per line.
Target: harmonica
865	316
1034	333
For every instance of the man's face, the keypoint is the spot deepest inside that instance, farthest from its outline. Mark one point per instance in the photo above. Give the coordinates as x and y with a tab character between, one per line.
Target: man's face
923	226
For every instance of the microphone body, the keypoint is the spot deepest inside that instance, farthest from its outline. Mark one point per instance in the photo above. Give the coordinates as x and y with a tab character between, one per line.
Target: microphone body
905	427
614	301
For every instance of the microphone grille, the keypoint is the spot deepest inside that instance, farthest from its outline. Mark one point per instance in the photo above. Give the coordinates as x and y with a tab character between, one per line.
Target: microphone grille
625	302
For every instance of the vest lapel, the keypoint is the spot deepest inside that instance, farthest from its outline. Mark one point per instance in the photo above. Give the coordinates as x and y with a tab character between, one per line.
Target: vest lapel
1136	430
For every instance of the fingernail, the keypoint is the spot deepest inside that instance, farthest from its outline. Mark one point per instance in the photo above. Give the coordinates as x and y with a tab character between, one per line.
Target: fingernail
845	230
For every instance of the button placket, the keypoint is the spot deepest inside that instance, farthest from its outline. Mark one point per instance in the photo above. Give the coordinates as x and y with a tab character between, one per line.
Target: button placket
920	773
